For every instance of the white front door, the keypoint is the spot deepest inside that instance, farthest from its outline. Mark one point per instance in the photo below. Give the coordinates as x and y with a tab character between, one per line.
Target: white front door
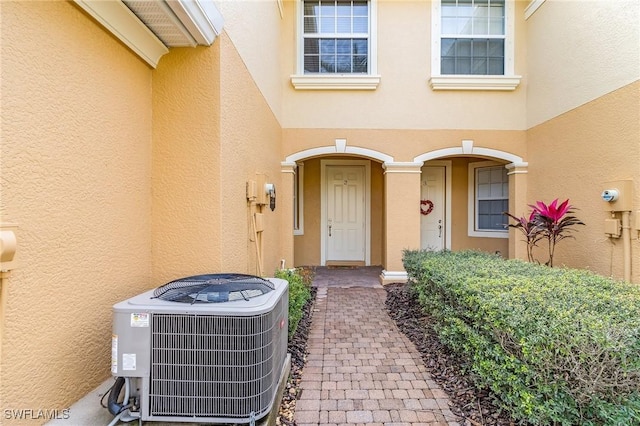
345	214
432	206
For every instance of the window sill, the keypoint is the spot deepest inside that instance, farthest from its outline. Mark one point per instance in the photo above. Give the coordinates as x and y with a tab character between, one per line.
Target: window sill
335	82
489	234
474	82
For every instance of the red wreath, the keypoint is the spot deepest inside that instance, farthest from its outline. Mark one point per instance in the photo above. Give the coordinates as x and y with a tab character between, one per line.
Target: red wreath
429	209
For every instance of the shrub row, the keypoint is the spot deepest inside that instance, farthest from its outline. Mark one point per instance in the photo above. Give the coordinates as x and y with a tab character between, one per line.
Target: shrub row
299	293
554	345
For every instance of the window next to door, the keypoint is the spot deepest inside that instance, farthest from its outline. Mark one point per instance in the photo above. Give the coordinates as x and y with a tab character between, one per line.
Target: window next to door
488	199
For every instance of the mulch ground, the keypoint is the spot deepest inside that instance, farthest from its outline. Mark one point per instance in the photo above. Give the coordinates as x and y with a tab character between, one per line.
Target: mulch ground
297	348
475	406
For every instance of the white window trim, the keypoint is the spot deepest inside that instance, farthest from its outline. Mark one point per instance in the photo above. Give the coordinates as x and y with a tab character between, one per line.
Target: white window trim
299	177
302	81
532	7
471	205
509	81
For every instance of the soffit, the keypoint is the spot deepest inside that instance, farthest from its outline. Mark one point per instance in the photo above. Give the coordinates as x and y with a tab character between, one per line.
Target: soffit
151	27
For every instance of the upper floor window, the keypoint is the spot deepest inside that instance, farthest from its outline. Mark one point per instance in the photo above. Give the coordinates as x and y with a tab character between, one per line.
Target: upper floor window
473	45
336	45
472	37
336	36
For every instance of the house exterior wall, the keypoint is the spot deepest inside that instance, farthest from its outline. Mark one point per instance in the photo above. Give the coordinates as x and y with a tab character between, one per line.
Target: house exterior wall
402	145
214	132
572	156
250	145
573	61
186	164
403	100
584	120
255	29
76	178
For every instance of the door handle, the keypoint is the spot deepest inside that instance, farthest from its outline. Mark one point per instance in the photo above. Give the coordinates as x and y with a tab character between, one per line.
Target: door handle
329	230
440	228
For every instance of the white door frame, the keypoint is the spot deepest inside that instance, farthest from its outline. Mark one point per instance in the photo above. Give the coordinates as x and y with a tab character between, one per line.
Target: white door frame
447	195
323	206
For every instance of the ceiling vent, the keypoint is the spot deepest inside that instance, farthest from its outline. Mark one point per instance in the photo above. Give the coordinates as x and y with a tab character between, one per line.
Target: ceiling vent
206	349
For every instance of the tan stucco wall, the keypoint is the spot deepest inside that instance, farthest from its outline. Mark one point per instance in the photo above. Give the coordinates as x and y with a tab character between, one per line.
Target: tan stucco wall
186	164
76	178
214	132
403	99
255	29
573	61
250	143
403	144
572	156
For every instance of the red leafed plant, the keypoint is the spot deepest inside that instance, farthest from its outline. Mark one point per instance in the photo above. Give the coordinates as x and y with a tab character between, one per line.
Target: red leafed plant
552	222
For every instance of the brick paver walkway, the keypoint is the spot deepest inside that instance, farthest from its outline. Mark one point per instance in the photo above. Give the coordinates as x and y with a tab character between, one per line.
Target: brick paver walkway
361	370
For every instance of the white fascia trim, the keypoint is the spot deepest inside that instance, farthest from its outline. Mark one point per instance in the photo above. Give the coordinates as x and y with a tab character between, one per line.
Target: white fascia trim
116	17
476	82
201	18
532	7
340	82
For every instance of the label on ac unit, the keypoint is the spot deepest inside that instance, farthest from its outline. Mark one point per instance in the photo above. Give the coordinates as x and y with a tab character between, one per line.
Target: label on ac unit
128	362
140	319
114	354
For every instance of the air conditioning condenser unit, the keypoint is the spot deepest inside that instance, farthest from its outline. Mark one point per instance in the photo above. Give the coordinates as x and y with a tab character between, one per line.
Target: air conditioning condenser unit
206	348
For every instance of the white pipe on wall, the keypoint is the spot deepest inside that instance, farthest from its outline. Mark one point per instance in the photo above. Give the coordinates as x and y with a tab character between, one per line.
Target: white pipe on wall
626	245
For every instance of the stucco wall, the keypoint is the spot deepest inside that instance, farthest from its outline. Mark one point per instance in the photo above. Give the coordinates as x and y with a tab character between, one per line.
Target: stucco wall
76	178
254	27
403	144
186	164
250	145
214	131
403	99
573	61
572	156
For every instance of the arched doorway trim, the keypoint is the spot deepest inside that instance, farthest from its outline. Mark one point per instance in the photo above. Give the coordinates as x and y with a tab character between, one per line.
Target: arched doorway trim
340	147
467	148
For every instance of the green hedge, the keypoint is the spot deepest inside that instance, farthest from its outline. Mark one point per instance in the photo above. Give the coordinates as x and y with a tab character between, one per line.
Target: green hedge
555	345
299	294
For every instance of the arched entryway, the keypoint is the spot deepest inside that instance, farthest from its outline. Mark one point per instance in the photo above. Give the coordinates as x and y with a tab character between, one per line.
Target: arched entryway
393	189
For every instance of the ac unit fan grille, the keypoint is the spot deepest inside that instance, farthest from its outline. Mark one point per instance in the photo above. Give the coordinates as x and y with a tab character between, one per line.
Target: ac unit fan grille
214	366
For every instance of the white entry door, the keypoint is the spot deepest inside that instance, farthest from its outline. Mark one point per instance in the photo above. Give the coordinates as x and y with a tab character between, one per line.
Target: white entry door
345	215
432	206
